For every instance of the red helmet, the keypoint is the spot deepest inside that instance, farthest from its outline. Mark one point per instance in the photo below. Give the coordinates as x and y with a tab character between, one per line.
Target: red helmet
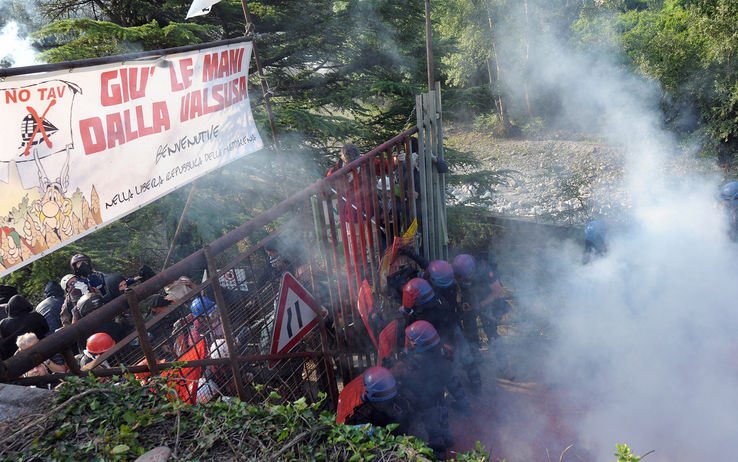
422	336
99	343
441	274
463	265
417	290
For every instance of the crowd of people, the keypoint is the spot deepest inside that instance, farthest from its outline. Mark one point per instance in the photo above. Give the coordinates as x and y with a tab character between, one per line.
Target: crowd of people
75	296
436	321
433	346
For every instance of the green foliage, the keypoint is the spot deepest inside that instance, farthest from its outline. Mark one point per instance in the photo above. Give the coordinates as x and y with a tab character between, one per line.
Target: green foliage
86	38
490	123
120	421
467	183
688	48
625	454
465	229
534	128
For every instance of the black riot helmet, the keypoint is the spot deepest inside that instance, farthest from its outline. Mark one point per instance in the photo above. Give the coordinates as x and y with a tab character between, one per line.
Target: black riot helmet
81	265
89	303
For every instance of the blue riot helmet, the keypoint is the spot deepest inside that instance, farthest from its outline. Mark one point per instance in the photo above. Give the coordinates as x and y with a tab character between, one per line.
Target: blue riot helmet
379	384
729	193
463	265
422	336
201	306
416	292
594	235
440	273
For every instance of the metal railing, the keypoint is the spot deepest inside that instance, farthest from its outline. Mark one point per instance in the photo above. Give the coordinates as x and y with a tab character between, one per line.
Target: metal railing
332	236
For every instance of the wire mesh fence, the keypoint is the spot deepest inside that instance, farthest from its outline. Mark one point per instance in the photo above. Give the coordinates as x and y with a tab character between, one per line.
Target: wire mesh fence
218	320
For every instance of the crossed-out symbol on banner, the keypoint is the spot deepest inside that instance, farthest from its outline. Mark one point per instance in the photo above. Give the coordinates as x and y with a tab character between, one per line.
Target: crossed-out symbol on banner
39	126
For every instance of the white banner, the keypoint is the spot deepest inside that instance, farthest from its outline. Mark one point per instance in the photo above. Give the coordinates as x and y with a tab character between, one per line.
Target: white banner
200	7
84	147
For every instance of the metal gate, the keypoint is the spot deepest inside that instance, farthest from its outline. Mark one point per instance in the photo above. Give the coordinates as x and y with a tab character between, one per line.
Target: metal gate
331	236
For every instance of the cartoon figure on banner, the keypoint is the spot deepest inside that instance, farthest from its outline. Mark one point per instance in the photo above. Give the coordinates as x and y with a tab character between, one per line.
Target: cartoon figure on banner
40	213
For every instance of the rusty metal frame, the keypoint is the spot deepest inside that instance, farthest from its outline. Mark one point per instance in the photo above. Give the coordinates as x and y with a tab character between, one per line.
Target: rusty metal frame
361	244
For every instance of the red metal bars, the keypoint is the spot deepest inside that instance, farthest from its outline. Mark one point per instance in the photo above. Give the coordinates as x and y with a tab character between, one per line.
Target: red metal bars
196	262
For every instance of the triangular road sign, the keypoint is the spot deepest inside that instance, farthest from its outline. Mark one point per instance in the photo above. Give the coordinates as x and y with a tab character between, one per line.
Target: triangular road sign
296	316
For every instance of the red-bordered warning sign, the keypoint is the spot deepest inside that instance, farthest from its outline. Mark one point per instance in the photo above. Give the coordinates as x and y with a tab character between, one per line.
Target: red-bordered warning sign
296	316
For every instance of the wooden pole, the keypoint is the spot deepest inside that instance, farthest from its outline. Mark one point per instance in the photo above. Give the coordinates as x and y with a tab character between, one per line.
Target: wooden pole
143	334
265	92
428	46
225	322
179	227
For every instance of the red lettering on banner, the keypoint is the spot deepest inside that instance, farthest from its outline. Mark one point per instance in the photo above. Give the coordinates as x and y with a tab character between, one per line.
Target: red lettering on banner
93	135
236	60
209	67
123	85
185	70
217	67
143	130
217	94
116	134
130	134
196	104
106	97
118	127
53	93
23	95
200	102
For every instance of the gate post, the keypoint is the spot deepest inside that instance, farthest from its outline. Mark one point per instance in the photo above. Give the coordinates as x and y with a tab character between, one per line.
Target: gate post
432	185
225	322
143	334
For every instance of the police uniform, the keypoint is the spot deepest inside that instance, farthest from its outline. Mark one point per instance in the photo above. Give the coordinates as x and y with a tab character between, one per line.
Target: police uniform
423	378
437	312
381	414
473	291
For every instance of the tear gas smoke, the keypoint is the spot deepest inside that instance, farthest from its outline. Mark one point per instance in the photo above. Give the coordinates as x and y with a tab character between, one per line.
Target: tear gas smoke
645	337
16	48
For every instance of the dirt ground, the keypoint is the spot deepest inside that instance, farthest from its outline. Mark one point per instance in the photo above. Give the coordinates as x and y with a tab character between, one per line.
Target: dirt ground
519	420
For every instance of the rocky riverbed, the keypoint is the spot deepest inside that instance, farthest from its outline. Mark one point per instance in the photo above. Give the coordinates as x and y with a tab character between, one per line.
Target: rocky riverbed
558	180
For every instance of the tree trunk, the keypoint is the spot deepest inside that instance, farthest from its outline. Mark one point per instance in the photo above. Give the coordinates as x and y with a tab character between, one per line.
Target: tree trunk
526	76
500	104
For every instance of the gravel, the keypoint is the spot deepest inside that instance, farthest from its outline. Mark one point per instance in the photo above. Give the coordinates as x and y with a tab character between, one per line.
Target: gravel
556	181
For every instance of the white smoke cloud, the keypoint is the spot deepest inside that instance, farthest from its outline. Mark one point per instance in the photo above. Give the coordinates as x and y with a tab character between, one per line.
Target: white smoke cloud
17	48
645	338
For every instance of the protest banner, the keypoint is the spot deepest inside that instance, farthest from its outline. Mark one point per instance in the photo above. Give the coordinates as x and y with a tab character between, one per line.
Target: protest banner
83	147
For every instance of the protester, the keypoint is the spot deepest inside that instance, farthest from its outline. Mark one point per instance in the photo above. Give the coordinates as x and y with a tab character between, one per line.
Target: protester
47	367
21	320
729	199
83	280
6	292
349	153
96	345
50	307
595	240
91	302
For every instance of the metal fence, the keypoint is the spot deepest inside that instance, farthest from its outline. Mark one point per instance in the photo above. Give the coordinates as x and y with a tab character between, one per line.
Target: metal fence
332	237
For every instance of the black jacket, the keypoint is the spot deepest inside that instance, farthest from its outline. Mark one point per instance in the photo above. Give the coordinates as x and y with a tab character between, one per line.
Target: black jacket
424	378
50	307
437	312
381	414
21	320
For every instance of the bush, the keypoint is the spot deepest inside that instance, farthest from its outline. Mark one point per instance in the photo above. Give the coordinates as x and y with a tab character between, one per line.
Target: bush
490	123
122	419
